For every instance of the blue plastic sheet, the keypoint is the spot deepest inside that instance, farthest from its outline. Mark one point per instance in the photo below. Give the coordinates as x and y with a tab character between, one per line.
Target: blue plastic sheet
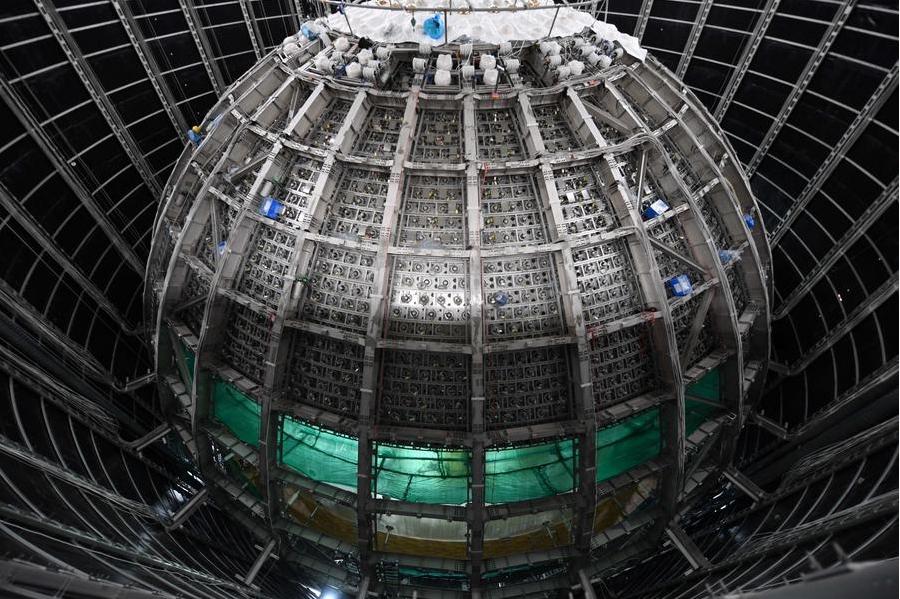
271	208
655	209
751	222
434	27
680	285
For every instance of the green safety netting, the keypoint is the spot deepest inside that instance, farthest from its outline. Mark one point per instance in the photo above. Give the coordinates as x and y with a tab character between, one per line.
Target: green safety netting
505	571
318	454
442	475
189	358
428	573
426	475
627	444
695	412
522	473
236	411
237	473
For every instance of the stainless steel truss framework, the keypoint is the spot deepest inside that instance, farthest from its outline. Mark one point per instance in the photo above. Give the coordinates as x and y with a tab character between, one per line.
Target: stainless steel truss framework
215	64
62	167
693	38
150	67
742	64
508	241
842	13
91	83
887	87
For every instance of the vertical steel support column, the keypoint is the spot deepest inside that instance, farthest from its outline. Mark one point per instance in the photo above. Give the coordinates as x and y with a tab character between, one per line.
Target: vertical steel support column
643	17
252	29
278	349
84	71
364	587
743	63
586	585
145	56
367	536
583	398
837	23
745	386
200	40
647	271
475	509
721	303
694	37
297	15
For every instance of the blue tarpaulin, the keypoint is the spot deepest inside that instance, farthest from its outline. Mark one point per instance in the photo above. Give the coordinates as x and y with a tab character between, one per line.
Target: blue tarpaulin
434	27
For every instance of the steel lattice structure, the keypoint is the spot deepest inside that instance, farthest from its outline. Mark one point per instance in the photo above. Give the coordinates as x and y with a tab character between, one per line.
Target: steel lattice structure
435	328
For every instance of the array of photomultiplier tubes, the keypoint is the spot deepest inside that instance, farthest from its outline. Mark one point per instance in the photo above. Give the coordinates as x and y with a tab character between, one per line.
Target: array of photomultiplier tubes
351	237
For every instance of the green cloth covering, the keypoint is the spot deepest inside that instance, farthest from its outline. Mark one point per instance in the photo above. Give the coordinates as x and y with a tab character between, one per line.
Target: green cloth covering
235	472
627	444
695	412
189	358
429	573
522	473
442	475
422	474
237	412
318	454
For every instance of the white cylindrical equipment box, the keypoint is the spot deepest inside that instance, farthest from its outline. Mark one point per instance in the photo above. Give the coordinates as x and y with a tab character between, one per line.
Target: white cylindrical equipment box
354	71
323	64
444	62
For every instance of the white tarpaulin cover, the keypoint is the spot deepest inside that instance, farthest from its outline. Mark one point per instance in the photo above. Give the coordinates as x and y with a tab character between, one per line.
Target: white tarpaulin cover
526	24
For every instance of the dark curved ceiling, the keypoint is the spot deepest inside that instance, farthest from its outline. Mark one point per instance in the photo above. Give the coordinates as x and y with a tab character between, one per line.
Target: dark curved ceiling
97	97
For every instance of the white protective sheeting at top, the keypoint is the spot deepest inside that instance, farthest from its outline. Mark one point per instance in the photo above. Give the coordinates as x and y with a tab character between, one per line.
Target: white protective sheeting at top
490	27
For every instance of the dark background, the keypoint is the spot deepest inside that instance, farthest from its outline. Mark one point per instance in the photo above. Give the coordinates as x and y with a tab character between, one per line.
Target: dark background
97	97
